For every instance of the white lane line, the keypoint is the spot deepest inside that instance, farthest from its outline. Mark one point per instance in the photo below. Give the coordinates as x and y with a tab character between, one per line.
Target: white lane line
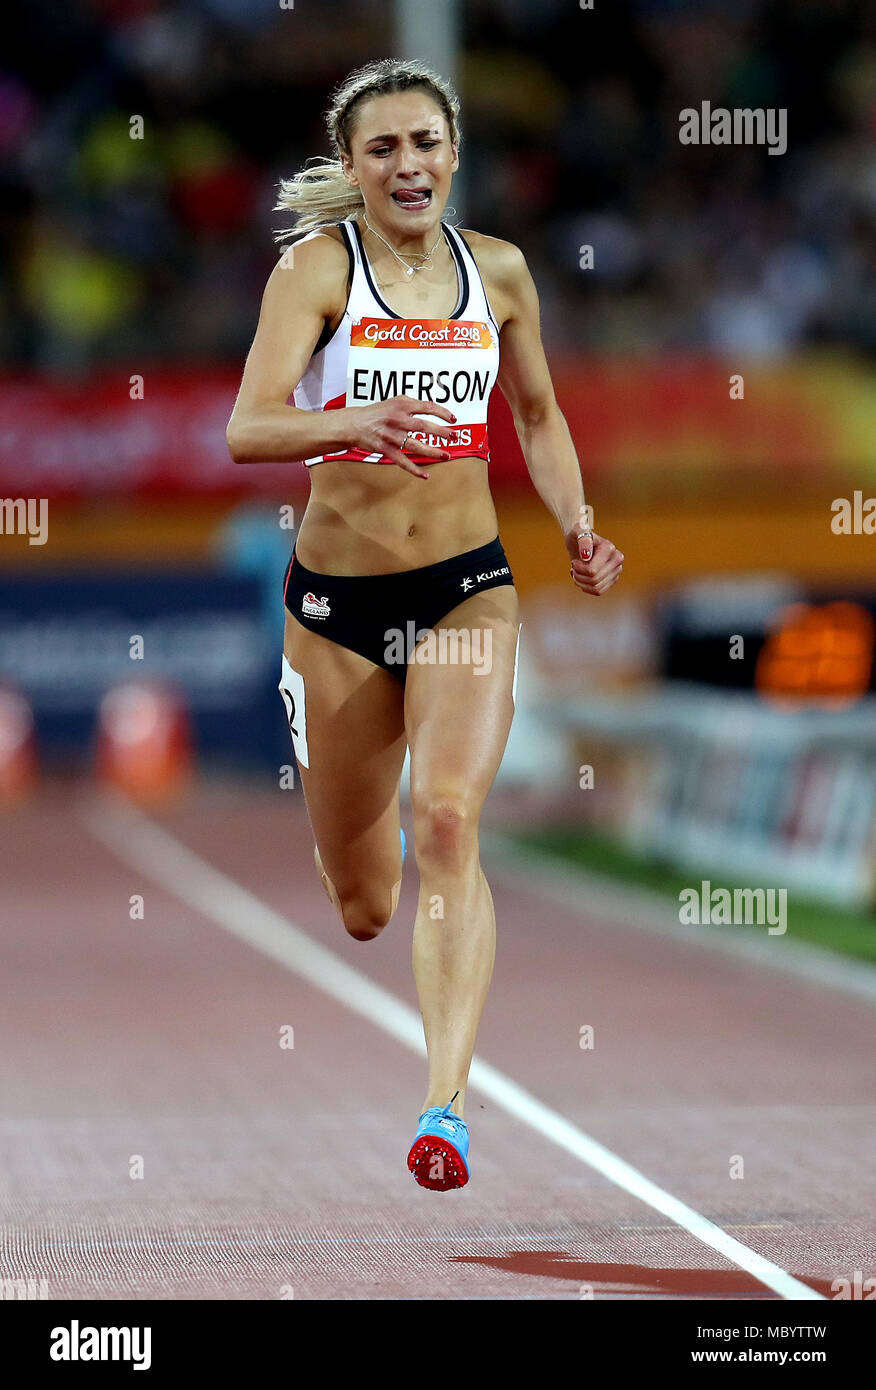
141	843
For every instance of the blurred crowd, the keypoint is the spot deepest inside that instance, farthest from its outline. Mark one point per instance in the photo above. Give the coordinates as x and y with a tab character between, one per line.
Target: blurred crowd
158	246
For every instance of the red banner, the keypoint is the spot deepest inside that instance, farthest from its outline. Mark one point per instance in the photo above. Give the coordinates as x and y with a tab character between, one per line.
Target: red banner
637	427
74	439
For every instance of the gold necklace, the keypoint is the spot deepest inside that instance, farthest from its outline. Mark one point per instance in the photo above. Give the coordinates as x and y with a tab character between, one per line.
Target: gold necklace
424	256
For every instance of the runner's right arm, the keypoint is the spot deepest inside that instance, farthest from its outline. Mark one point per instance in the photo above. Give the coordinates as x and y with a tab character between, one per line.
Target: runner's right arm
301	294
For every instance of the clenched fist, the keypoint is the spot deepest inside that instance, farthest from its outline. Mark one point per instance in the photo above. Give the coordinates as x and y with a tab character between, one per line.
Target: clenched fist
596	561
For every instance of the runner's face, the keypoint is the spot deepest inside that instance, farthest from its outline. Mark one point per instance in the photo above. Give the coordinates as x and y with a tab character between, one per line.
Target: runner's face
400	146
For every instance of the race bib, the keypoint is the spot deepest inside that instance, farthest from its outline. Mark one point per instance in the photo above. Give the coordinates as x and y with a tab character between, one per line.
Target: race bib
291	688
409	357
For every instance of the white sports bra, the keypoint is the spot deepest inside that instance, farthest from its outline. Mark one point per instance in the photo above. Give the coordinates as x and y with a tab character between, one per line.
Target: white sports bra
374	354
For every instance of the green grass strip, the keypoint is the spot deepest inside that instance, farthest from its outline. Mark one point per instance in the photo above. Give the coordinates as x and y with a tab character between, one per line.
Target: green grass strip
843	929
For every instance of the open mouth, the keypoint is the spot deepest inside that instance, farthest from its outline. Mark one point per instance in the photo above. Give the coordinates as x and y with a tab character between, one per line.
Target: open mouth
412	198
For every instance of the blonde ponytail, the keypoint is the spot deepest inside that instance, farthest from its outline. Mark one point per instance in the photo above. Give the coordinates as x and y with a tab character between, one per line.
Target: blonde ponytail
320	194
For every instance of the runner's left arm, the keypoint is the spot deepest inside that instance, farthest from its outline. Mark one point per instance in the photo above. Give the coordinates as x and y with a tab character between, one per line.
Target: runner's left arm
545	440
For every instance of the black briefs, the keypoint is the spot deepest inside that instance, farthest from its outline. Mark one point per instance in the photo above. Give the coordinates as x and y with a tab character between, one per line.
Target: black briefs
380	615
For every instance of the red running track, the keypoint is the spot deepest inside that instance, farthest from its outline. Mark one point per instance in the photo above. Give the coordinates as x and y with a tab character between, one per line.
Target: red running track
271	1172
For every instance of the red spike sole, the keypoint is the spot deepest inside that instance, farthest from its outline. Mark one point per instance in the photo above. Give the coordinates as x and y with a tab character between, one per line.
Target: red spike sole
436	1164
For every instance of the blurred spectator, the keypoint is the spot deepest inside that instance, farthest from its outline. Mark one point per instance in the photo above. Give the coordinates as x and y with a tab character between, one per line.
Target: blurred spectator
158	247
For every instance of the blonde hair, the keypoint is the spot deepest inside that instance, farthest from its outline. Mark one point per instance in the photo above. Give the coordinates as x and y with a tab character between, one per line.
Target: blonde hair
320	194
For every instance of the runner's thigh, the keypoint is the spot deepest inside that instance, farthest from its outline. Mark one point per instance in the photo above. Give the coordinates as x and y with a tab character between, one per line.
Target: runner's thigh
356	746
457	718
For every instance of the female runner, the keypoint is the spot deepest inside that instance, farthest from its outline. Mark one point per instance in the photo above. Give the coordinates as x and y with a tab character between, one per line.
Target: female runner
389	324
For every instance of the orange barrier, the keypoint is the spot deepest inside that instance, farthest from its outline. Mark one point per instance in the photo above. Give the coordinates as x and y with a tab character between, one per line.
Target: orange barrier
19	763
144	744
822	654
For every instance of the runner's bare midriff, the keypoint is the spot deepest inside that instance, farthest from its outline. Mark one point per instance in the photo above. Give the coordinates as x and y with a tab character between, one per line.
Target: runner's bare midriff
367	518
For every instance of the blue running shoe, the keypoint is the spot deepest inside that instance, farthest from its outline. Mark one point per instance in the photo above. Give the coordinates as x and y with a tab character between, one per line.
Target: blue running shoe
403	843
439	1154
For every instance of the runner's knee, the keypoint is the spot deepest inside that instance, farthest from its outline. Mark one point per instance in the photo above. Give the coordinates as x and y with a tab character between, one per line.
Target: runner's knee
445	827
364	908
365	918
